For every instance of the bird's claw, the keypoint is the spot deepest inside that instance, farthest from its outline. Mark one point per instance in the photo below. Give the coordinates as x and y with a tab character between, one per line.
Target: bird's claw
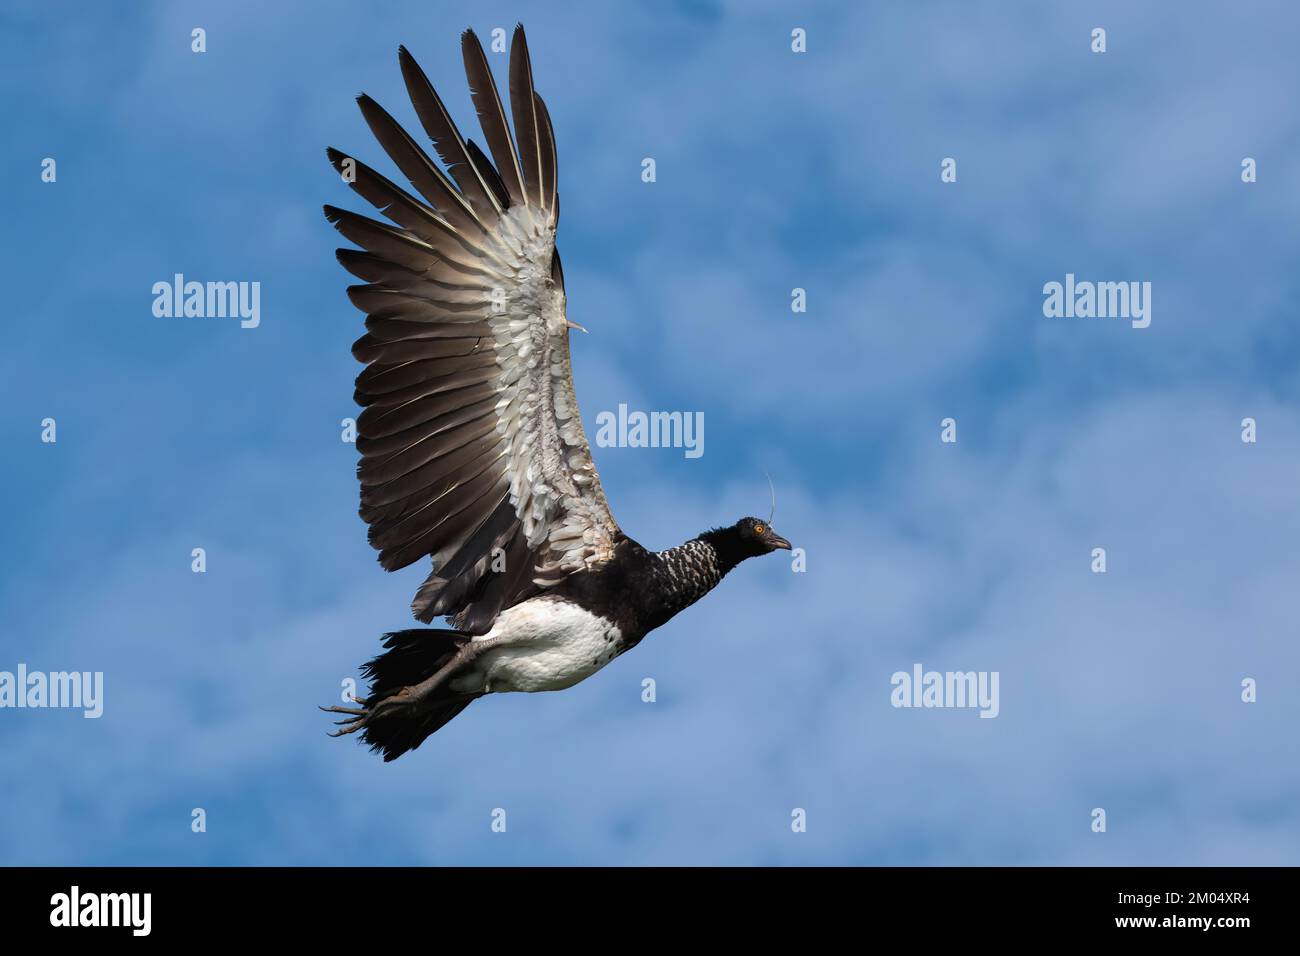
361	717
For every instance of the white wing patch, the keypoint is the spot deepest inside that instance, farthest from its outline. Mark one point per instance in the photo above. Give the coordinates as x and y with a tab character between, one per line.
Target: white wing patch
553	482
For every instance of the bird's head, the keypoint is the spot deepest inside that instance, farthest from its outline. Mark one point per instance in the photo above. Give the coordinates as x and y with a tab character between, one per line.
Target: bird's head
758	536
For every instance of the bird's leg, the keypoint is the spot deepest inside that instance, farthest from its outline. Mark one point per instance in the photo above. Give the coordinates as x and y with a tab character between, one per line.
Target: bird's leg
418	692
412	695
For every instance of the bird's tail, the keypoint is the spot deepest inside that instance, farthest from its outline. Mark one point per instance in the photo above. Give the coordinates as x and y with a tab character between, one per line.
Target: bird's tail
411	656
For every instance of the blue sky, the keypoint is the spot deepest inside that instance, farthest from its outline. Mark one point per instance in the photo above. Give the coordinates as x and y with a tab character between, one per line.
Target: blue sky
775	170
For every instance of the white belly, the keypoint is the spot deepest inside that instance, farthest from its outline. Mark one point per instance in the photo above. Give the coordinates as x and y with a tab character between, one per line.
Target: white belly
541	645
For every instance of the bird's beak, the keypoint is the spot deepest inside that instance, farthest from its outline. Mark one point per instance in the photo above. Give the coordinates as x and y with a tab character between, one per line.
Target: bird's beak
777	541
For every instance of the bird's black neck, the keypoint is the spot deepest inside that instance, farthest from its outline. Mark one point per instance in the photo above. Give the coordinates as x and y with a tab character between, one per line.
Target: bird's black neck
686	573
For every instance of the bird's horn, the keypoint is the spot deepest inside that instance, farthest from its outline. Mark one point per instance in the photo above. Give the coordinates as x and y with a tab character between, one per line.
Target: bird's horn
772	513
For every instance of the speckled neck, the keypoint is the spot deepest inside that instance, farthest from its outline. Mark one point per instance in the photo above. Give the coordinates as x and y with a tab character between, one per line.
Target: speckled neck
686	573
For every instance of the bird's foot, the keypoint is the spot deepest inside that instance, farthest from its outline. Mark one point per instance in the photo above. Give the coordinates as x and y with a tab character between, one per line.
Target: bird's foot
358	717
412	696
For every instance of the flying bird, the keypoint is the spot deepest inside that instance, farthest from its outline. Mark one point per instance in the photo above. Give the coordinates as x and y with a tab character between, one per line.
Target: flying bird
472	448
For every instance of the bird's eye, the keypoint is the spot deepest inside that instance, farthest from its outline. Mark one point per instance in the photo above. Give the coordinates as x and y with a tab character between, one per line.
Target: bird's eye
758	529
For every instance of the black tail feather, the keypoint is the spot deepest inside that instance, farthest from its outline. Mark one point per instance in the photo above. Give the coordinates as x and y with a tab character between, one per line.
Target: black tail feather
411	656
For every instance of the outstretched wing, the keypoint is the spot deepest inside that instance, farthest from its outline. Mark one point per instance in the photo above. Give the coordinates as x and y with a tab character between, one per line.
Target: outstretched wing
472	448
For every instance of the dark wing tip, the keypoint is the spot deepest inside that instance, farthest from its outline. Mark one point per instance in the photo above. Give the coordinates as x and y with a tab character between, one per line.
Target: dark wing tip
337	158
470	44
410	66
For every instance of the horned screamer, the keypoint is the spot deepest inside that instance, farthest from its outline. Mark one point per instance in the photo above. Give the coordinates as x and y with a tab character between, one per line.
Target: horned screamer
472	448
